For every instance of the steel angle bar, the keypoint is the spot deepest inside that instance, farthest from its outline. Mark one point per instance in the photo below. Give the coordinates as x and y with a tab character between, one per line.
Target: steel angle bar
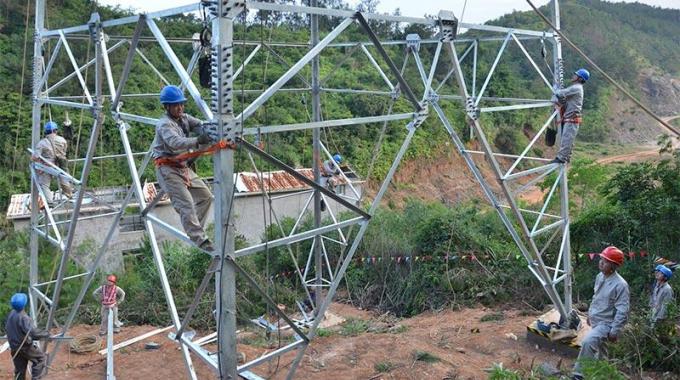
137	118
356	91
302	214
50	217
335	221
474	69
107	67
421	68
504	155
493	67
122	155
48	70
128	20
128	62
269	356
179	68
287	65
527	211
81	68
405	88
109	347
546	203
524	173
276	162
247	60
252	107
50	239
377	67
426	41
326	124
547	228
294	193
75	67
333	240
533	63
155	250
531	143
560	255
202	353
65	278
153	203
191	67
337	167
516	107
328	264
42	296
212	268
460	60
151	65
169	228
296	237
531	183
267	298
48	167
65	103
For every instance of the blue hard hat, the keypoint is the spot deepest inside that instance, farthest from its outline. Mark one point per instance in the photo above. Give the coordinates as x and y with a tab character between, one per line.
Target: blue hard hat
172	95
337	158
50	127
19	301
667	272
583	74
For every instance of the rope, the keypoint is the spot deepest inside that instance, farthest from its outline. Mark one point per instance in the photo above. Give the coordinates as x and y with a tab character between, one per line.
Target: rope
82	344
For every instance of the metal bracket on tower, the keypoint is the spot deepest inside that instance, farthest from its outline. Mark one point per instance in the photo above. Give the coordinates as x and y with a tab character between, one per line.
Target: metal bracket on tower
471	109
448	26
413	42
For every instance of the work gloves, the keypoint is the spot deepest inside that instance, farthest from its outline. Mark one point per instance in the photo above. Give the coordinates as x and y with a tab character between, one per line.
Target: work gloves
204	139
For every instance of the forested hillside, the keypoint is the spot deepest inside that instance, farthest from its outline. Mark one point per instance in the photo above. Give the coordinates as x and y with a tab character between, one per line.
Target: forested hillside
632	41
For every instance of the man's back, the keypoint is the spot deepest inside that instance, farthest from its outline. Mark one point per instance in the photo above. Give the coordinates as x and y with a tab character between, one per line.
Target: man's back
571	98
18	325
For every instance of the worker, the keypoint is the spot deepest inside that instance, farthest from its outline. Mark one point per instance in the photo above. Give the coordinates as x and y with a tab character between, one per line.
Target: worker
662	294
189	195
570	102
109	295
22	335
52	149
609	308
328	169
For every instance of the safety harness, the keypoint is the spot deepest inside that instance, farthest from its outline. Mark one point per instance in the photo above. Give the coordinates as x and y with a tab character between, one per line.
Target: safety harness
109	295
180	161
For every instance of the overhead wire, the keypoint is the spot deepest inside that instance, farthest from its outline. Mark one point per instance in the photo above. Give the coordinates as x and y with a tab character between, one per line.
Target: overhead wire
21	94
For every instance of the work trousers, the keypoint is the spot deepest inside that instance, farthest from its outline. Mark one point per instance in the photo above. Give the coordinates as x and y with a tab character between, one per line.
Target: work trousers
45	179
592	346
190	197
567	140
30	353
103	327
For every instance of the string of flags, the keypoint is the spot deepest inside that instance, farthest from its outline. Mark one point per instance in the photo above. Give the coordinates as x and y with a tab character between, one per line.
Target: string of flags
631	255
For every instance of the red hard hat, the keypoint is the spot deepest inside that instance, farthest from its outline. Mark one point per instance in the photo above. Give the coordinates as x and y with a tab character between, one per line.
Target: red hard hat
613	255
112	278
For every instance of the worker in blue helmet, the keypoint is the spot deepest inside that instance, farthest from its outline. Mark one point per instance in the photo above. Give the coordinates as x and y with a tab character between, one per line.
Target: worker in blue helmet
662	294
570	103
23	335
189	195
51	150
328	170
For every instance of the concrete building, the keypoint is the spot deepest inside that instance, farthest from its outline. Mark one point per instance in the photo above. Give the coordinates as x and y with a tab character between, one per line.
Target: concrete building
289	198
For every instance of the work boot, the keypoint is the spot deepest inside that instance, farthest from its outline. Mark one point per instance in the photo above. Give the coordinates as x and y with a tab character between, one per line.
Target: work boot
322	205
556	161
207	246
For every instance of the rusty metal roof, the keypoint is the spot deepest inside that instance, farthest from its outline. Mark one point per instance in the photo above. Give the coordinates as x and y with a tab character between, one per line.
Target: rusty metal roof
277	181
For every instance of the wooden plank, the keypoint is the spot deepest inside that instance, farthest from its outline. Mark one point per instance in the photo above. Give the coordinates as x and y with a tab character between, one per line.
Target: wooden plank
4	347
137	339
205	338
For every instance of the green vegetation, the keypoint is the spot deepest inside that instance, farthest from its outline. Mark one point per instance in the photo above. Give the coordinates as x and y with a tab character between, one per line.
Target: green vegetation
424	356
384	366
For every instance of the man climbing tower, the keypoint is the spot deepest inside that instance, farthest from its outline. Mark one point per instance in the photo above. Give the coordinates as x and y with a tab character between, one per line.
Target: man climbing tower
52	148
110	295
662	294
608	310
328	169
570	101
189	195
22	335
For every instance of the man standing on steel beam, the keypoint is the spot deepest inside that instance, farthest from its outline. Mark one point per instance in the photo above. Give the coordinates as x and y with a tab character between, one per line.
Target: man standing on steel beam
52	148
22	335
609	308
570	101
189	195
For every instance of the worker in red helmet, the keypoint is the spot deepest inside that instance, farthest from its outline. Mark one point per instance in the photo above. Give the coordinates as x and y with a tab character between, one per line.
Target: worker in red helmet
609	308
109	295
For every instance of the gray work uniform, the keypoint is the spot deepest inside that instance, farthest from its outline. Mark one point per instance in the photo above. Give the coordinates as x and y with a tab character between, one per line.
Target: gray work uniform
608	313
50	148
189	195
328	170
658	302
22	336
571	100
106	309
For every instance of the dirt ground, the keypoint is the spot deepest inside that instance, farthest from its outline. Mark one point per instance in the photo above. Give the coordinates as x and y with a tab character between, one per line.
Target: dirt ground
463	344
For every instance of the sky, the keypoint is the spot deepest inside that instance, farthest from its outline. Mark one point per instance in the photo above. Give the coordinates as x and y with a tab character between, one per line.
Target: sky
477	11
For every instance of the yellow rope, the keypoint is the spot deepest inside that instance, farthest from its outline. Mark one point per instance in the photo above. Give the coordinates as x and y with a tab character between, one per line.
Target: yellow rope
85	343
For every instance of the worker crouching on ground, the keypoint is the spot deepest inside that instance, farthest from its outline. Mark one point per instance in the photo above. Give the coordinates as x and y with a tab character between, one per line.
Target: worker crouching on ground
609	308
52	148
570	101
109	295
189	195
22	335
662	294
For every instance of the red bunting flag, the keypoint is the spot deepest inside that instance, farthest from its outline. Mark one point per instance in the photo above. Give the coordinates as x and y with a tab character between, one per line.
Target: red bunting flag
631	254
592	256
643	253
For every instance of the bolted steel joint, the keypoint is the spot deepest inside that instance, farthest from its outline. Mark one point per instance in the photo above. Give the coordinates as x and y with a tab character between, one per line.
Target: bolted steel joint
432	97
420	116
448	26
472	111
413	42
